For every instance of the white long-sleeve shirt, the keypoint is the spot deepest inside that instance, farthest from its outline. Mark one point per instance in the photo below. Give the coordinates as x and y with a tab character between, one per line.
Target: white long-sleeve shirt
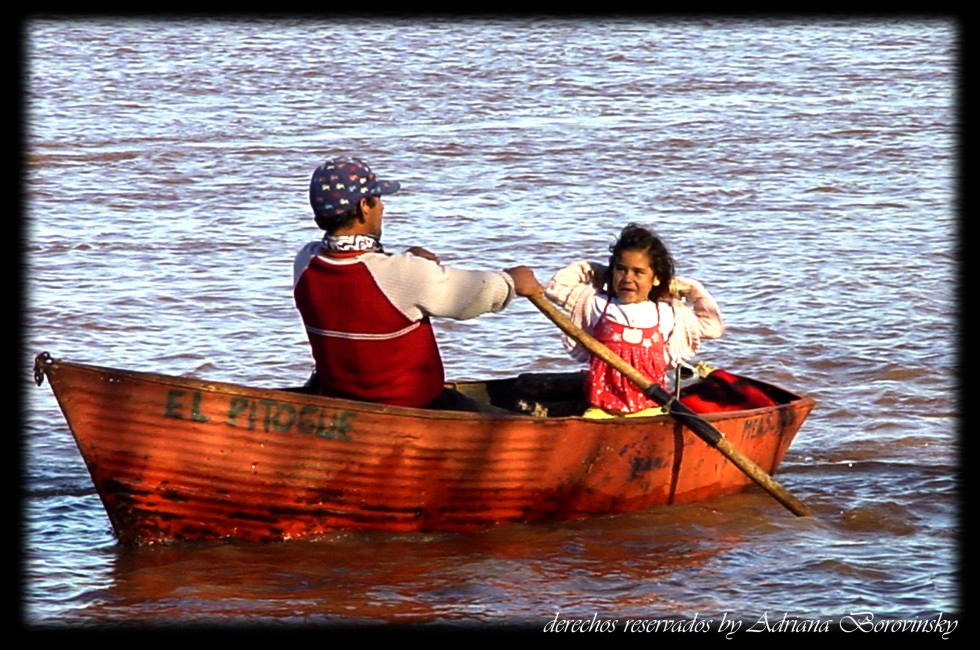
684	321
419	287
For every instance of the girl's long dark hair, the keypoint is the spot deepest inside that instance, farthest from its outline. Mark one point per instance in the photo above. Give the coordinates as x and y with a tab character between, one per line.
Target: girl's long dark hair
637	238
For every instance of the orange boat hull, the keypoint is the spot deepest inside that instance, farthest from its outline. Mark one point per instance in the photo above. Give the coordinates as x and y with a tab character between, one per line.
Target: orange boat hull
180	459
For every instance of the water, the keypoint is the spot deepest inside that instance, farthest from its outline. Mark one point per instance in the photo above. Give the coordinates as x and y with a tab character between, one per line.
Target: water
803	169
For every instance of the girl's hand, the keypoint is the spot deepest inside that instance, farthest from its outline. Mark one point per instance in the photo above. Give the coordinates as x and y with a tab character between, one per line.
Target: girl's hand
680	287
598	273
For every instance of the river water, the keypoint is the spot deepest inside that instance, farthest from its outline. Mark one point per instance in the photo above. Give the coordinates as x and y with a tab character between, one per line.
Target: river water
804	169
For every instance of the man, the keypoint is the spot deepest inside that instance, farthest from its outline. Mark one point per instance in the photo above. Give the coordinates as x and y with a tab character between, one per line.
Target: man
367	313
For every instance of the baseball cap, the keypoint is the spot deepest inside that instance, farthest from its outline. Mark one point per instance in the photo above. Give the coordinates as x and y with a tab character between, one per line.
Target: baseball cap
337	185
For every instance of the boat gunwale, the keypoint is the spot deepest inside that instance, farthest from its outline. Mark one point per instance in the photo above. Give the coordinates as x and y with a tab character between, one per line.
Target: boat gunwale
46	363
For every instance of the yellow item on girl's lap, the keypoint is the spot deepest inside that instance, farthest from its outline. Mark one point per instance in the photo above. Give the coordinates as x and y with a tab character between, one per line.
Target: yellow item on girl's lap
596	413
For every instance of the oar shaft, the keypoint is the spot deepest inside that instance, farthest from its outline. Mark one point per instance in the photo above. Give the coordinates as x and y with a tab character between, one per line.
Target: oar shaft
677	410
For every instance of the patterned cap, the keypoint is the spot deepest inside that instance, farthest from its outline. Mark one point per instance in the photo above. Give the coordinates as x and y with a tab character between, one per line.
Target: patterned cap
337	185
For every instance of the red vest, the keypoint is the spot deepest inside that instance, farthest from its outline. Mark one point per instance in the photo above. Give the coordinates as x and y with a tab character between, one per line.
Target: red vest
364	347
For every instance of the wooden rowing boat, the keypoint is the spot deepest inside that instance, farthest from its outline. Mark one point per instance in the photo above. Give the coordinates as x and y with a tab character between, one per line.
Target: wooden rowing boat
183	459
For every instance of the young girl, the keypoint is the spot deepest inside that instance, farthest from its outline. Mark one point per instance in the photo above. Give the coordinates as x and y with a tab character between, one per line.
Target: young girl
638	309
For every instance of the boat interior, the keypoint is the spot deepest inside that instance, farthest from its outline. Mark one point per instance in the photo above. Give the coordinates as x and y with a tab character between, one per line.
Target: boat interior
562	394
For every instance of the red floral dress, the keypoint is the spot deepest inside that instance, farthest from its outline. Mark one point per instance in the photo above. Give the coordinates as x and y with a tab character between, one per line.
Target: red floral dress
644	348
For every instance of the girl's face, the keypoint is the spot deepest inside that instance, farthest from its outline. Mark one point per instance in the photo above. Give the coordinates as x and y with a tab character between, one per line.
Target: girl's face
633	277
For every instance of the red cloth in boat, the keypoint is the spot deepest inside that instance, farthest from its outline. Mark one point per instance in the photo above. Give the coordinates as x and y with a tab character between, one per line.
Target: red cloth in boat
644	348
724	391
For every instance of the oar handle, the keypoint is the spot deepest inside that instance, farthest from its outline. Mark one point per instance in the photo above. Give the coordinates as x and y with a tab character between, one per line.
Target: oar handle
677	410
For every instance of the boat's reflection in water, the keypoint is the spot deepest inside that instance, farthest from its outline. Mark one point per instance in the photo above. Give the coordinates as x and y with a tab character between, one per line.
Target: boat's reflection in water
368	578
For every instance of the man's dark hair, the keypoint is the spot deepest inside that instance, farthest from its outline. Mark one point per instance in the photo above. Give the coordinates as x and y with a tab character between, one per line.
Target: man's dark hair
334	222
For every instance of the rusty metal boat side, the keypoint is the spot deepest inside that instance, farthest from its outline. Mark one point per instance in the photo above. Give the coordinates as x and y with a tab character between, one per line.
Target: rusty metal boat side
182	459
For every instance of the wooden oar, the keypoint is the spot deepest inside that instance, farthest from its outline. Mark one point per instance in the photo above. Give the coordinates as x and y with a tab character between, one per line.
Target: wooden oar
676	410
